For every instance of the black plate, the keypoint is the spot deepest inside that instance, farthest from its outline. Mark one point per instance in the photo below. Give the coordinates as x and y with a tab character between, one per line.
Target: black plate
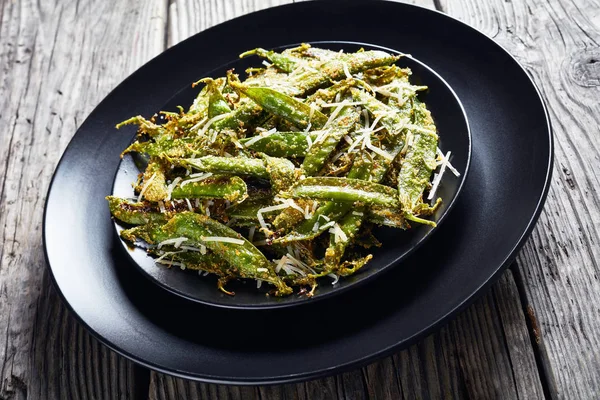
500	202
452	125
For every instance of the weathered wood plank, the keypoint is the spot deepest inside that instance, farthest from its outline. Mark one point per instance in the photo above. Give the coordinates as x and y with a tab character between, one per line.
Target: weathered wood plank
58	60
558	43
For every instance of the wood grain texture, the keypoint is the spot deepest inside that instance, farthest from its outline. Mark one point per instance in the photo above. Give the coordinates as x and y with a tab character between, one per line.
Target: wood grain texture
58	59
558	42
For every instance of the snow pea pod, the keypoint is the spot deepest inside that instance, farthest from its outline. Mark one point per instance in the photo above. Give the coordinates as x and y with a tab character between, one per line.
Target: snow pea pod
392	217
154	186
281	172
227	165
245	260
282	105
248	210
134	213
245	112
230	188
217	104
195	261
285	62
320	150
417	166
336	67
146	127
200	104
328	94
344	190
328	211
165	146
392	120
282	144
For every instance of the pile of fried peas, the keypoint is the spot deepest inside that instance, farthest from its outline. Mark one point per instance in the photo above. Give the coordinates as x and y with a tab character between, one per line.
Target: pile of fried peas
281	178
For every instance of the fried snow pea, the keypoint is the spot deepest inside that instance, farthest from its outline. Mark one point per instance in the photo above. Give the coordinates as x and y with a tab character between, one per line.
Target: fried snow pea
291	216
281	172
282	105
392	217
200	104
344	190
282	144
146	127
217	104
349	225
417	166
335	68
134	213
230	188
306	51
328	211
393	121
248	210
165	146
195	261
321	149
154	186
245	260
227	165
384	75
245	112
328	94
284	62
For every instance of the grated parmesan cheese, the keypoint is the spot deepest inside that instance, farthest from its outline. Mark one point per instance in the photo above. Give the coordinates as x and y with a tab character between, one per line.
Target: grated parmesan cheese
172	186
176	242
196	178
438	178
210	122
223	239
146	187
381	152
335	278
260	136
447	158
309	141
346	70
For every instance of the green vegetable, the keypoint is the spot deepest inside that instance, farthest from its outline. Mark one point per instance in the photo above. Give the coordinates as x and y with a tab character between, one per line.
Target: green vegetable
344	190
279	178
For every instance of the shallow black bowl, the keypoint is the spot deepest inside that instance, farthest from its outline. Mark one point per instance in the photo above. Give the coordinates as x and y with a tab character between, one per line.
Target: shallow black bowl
501	199
453	128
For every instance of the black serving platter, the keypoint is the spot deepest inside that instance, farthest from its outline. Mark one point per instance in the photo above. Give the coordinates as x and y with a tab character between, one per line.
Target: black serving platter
511	163
452	125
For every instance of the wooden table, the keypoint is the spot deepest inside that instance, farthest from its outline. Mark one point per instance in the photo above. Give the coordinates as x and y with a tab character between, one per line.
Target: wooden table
535	334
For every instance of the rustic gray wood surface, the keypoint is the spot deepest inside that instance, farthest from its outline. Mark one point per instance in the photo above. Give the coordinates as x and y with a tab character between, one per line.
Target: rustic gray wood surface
535	334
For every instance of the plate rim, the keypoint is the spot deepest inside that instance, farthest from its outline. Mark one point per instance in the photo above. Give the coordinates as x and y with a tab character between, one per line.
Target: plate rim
299	377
